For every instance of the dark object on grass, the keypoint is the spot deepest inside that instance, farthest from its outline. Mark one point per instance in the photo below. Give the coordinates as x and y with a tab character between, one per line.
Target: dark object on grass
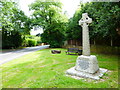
74	50
55	51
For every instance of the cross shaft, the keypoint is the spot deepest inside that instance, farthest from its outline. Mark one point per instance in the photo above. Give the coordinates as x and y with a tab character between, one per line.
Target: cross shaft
84	22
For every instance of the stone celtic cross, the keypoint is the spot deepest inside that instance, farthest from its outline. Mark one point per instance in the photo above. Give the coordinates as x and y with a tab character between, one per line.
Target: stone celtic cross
84	22
86	64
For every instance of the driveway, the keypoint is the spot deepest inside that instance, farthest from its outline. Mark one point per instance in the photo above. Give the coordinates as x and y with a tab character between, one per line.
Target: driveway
10	55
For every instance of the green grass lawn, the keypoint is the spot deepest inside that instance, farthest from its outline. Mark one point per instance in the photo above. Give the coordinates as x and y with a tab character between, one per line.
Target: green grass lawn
41	69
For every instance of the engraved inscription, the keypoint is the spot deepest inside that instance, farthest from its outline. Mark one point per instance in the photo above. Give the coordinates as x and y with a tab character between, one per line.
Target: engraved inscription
83	64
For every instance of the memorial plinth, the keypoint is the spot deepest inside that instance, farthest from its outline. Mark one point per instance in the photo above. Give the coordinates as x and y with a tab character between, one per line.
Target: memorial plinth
79	74
86	64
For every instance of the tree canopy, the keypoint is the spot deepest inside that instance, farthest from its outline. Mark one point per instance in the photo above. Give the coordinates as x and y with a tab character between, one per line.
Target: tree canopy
14	24
106	19
48	15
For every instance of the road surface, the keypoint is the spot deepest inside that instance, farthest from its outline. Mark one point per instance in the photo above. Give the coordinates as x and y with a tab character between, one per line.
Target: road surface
8	56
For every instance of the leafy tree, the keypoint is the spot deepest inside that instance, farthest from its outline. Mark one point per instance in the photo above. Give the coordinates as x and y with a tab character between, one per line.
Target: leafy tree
48	15
21	22
14	24
106	19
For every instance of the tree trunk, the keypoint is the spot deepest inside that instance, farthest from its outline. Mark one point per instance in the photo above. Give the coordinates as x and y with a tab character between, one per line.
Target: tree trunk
76	43
111	42
94	42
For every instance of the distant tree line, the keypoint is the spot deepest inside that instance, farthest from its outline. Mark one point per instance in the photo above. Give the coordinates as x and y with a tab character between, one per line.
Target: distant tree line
14	24
49	16
57	28
105	25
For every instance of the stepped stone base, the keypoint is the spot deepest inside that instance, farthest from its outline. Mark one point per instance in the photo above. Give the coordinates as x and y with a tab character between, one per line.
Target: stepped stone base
87	64
96	76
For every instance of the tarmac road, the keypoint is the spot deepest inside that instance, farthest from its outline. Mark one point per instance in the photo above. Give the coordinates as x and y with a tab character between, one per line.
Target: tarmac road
10	55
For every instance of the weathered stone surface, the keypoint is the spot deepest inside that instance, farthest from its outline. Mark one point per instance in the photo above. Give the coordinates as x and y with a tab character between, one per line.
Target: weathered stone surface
84	22
87	64
96	76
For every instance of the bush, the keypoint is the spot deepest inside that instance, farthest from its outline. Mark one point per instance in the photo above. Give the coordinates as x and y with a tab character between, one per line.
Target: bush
31	42
55	39
31	37
11	39
38	39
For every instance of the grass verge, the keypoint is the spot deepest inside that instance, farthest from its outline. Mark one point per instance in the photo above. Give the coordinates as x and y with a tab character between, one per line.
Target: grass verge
41	69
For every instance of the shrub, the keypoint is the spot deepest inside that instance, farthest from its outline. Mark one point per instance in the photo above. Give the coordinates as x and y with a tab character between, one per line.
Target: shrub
31	42
31	37
25	43
38	39
11	39
55	39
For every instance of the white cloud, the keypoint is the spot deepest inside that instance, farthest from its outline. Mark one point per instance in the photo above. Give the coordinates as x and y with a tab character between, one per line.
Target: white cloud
70	6
23	4
34	32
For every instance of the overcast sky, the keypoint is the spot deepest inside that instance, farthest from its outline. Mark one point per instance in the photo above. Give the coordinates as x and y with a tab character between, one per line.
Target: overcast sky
68	5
